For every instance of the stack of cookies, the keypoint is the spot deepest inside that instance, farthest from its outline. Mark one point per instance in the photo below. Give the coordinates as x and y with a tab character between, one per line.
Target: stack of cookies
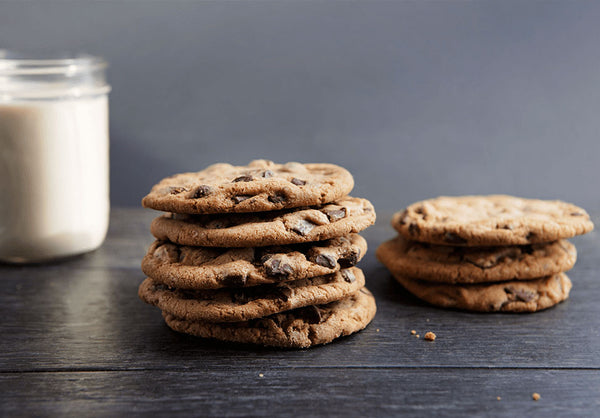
485	253
263	254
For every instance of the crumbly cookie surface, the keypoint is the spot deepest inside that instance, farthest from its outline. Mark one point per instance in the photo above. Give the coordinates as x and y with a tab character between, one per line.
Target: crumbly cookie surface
259	186
234	305
299	328
490	220
343	217
510	296
186	267
453	264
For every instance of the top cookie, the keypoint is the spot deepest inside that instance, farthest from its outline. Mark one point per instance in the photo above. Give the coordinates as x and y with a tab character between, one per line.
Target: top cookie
490	220
260	186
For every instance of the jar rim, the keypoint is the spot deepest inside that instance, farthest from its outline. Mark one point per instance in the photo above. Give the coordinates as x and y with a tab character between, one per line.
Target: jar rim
12	63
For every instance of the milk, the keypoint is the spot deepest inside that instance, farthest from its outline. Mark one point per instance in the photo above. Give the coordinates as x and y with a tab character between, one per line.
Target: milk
54	176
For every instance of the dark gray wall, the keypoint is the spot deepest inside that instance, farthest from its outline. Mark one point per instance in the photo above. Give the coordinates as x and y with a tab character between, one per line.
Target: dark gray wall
415	98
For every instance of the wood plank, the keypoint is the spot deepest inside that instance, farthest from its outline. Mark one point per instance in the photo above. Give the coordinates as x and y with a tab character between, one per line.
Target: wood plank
305	392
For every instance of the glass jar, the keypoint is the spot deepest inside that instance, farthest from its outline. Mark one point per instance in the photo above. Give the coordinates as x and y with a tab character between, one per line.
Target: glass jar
54	173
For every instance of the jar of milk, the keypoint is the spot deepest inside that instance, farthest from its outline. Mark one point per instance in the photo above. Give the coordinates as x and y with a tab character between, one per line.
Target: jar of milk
54	198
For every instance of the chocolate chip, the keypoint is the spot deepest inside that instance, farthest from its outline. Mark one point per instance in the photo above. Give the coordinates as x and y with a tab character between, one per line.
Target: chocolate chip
283	292
520	294
507	226
576	214
267	173
348	276
202	191
413	229
310	314
303	227
531	236
278	198
350	259
336	214
278	269
242	178
419	210
177	190
240	198
326	260
298	182
236	280
451	238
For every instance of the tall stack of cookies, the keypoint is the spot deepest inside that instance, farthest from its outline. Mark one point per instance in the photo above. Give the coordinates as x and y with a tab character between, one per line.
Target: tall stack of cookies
263	253
485	253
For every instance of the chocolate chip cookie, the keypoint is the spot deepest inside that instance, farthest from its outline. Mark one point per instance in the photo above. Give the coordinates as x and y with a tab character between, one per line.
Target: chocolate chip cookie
234	305
299	328
453	264
490	220
186	267
259	186
510	296
345	216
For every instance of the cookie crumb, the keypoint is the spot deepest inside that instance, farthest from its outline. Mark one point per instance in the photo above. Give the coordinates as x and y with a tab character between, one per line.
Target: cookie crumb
430	336
377	330
498	398
418	336
536	396
413	332
427	320
261	375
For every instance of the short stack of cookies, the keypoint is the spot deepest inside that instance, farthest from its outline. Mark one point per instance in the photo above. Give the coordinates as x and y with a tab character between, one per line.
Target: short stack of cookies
485	253
262	254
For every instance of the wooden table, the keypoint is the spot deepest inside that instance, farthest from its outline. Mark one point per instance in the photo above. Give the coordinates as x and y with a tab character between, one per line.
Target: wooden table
76	340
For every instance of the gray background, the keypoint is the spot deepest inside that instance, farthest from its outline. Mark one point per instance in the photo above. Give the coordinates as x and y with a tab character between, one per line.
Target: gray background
417	99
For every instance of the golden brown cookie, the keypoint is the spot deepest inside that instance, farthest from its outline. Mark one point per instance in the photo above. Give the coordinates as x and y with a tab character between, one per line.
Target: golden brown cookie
490	220
452	264
234	305
187	267
345	216
299	328
259	186
511	296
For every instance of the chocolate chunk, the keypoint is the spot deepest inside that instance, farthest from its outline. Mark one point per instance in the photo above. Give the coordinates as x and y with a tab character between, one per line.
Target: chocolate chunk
310	314
531	236
283	292
451	238
576	214
326	260
348	276
298	182
278	269
278	198
236	280
240	198
420	210
303	227
267	173
336	214
349	260
177	190
413	229
242	178
202	191
508	226
520	294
